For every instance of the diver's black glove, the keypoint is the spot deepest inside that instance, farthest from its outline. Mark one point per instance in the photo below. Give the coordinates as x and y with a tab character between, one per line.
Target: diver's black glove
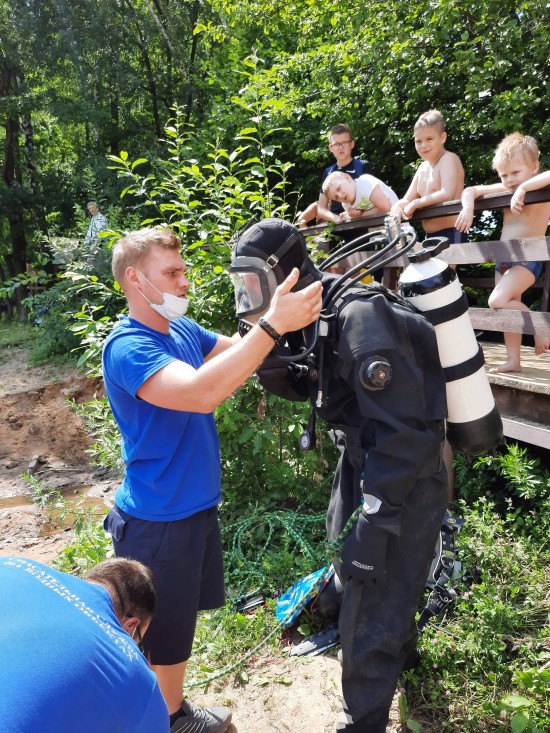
364	552
283	379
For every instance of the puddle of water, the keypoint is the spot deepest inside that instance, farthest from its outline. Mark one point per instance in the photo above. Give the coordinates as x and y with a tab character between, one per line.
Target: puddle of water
75	503
14	501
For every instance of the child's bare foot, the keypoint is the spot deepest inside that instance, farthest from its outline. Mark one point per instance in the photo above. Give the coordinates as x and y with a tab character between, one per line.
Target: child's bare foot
542	344
509	366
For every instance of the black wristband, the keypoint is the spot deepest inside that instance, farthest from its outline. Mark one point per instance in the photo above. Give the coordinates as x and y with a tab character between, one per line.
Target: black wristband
263	324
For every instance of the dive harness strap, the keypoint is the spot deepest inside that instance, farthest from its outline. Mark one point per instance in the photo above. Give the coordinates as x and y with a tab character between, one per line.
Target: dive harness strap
445	568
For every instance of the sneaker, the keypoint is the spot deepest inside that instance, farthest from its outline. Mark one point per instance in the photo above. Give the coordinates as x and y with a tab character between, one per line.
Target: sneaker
201	720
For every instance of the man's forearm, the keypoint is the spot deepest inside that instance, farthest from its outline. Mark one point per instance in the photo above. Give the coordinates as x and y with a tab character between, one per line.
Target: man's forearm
178	386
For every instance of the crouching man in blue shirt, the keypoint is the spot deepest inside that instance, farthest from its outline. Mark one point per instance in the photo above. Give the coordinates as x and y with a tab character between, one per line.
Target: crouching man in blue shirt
70	650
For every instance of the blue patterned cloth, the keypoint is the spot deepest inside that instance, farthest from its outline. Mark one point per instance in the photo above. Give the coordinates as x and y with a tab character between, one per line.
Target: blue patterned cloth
291	604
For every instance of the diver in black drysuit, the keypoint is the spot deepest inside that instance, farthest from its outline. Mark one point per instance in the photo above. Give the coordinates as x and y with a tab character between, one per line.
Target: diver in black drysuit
383	390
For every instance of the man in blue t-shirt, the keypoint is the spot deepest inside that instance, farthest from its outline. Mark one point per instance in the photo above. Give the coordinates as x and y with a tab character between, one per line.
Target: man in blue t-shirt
164	376
69	661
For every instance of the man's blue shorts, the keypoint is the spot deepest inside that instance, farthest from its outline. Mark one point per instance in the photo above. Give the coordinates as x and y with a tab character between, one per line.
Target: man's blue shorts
186	559
534	267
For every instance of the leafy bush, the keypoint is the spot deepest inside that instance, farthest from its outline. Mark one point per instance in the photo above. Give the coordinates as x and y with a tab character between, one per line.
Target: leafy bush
101	426
495	641
518	484
259	440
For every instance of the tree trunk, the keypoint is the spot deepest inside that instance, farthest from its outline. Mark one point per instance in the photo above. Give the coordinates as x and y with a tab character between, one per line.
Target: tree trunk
192	57
151	83
28	139
16	261
114	130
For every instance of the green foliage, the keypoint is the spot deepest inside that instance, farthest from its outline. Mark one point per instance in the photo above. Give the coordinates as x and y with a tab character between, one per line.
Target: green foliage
206	193
224	637
101	426
47	499
259	439
228	65
516	708
495	640
72	315
518	483
33	277
404	719
91	546
99	303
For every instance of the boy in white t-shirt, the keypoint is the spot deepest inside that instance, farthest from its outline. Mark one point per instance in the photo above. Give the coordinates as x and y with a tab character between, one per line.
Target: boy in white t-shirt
361	197
364	196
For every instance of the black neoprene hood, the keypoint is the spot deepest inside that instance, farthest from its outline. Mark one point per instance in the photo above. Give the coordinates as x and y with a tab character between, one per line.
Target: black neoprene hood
278	243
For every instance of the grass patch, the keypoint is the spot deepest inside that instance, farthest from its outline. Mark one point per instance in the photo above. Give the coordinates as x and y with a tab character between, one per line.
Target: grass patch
14	334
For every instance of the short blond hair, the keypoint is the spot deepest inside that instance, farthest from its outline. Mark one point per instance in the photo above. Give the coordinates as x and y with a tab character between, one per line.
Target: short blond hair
132	249
516	146
332	179
432	118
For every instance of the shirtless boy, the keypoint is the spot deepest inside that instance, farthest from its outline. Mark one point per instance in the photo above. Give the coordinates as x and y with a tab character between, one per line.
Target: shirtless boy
516	161
439	178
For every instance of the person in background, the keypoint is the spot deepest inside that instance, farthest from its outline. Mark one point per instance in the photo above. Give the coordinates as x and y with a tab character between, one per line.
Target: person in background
98	223
363	196
70	656
341	144
360	198
164	376
516	161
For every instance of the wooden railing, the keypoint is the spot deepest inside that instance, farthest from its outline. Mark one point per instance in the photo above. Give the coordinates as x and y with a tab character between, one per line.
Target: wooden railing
533	249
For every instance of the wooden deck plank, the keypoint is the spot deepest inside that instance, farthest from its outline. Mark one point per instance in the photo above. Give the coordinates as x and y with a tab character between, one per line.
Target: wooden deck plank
535	374
526	432
532	249
523	397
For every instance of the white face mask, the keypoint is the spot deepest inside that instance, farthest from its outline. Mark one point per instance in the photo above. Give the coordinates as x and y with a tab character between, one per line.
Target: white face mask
172	306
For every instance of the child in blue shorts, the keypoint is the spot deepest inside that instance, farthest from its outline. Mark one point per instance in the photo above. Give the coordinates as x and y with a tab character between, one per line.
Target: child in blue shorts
516	161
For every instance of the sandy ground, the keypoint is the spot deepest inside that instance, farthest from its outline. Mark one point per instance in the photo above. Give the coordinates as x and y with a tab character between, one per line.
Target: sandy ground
39	433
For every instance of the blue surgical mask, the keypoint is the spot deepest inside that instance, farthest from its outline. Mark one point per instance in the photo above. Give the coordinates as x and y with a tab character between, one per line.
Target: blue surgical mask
172	306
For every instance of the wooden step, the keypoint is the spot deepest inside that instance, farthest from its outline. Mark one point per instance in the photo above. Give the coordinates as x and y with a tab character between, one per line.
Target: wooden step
535	374
523	398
